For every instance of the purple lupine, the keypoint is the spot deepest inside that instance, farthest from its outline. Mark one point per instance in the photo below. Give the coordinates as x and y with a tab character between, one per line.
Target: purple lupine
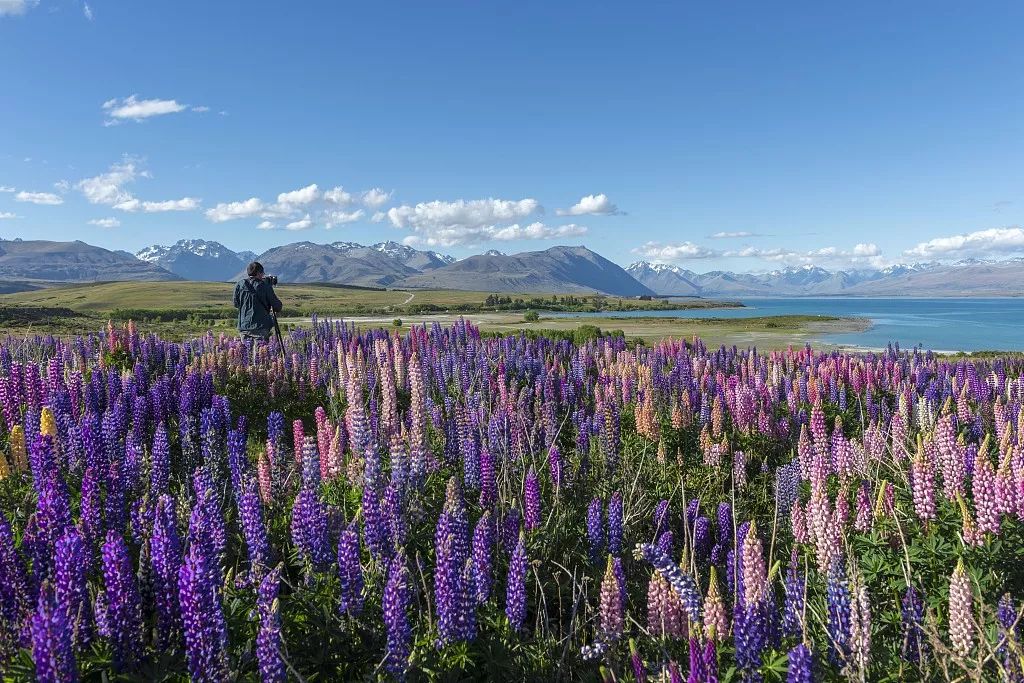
531	501
123	604
914	648
837	592
515	592
250	512
793	609
395	605
639	669
801	665
488	481
13	590
555	467
483	557
206	635
52	641
697	672
309	528
447	587
165	556
595	530
665	543
350	571
375	531
661	518
615	524
268	638
71	584
702	540
750	636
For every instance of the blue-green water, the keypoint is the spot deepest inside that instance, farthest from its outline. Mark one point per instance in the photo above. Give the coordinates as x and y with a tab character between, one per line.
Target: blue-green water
938	324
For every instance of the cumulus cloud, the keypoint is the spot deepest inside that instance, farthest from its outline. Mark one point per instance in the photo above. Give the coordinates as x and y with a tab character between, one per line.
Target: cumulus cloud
105	222
111	189
6	188
230	211
301	197
376	198
537	231
304	223
733	235
591	205
266	225
132	108
476	213
338	196
16	7
333	219
46	198
977	243
7	216
678	251
379	217
183	204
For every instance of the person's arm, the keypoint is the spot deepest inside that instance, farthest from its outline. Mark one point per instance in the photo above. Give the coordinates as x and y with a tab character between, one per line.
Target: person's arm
275	303
237	300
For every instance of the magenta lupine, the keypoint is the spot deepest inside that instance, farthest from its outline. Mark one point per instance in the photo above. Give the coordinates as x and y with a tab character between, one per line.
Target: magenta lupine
531	504
269	638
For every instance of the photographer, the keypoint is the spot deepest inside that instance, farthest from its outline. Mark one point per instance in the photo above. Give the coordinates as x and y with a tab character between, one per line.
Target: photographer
256	304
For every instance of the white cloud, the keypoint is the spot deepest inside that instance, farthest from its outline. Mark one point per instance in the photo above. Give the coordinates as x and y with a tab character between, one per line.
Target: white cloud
183	204
201	109
979	242
376	198
6	188
46	198
335	218
462	222
133	109
537	231
680	251
7	216
338	196
592	205
108	188
300	197
87	11
105	222
16	7
304	223
379	216
869	249
733	235
233	210
266	225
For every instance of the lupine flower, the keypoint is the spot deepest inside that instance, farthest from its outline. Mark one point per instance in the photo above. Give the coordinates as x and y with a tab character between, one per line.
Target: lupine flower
483	553
801	665
52	641
123	605
395	605
531	507
350	571
681	582
309	528
166	558
961	619
796	583
615	524
612	608
837	593
515	592
268	638
206	635
595	530
71	589
250	512
715	619
915	645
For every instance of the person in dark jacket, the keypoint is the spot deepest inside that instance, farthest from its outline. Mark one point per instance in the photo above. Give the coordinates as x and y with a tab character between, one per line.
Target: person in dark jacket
256	301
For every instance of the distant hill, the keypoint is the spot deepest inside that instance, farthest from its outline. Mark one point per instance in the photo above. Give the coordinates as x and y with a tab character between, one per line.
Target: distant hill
309	262
72	262
972	277
197	259
558	269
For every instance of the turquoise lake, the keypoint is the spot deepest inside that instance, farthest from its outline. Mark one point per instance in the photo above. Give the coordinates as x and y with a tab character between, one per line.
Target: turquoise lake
937	324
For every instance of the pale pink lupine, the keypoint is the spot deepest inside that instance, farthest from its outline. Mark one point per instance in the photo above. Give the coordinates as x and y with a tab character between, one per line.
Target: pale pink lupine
755	575
983	488
715	620
961	619
798	522
922	479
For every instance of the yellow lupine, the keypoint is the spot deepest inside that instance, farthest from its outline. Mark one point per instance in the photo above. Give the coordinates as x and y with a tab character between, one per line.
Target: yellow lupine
19	459
4	472
47	423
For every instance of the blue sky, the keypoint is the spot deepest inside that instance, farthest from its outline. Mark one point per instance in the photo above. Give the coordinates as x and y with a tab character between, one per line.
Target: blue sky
845	135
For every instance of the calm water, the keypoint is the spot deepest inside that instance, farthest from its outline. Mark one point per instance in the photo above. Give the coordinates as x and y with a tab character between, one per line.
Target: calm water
938	324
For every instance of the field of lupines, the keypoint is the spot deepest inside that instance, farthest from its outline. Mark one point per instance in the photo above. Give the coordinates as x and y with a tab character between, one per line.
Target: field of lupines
440	505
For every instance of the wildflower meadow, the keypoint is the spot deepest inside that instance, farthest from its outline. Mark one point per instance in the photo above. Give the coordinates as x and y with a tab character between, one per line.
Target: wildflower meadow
437	504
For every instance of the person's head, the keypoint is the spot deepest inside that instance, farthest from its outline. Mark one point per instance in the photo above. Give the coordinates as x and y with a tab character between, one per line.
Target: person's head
255	269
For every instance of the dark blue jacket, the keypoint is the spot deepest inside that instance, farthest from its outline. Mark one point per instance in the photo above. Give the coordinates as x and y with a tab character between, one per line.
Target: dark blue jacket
254	300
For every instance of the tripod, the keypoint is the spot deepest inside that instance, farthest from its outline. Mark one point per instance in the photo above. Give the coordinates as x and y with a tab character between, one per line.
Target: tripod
280	339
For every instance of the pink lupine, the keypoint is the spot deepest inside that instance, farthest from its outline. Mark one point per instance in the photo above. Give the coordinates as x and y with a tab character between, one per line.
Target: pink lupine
983	488
961	619
922	477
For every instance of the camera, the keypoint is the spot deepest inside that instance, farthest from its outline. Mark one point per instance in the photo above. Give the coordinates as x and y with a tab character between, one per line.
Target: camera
272	279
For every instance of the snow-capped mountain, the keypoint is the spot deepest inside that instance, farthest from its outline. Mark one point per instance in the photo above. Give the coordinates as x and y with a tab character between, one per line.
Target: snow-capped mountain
196	259
403	253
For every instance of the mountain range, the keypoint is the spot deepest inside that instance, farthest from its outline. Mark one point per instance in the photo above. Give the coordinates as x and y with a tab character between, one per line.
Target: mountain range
560	269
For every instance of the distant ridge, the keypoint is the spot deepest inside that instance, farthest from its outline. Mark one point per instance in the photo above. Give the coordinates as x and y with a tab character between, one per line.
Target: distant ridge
48	261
